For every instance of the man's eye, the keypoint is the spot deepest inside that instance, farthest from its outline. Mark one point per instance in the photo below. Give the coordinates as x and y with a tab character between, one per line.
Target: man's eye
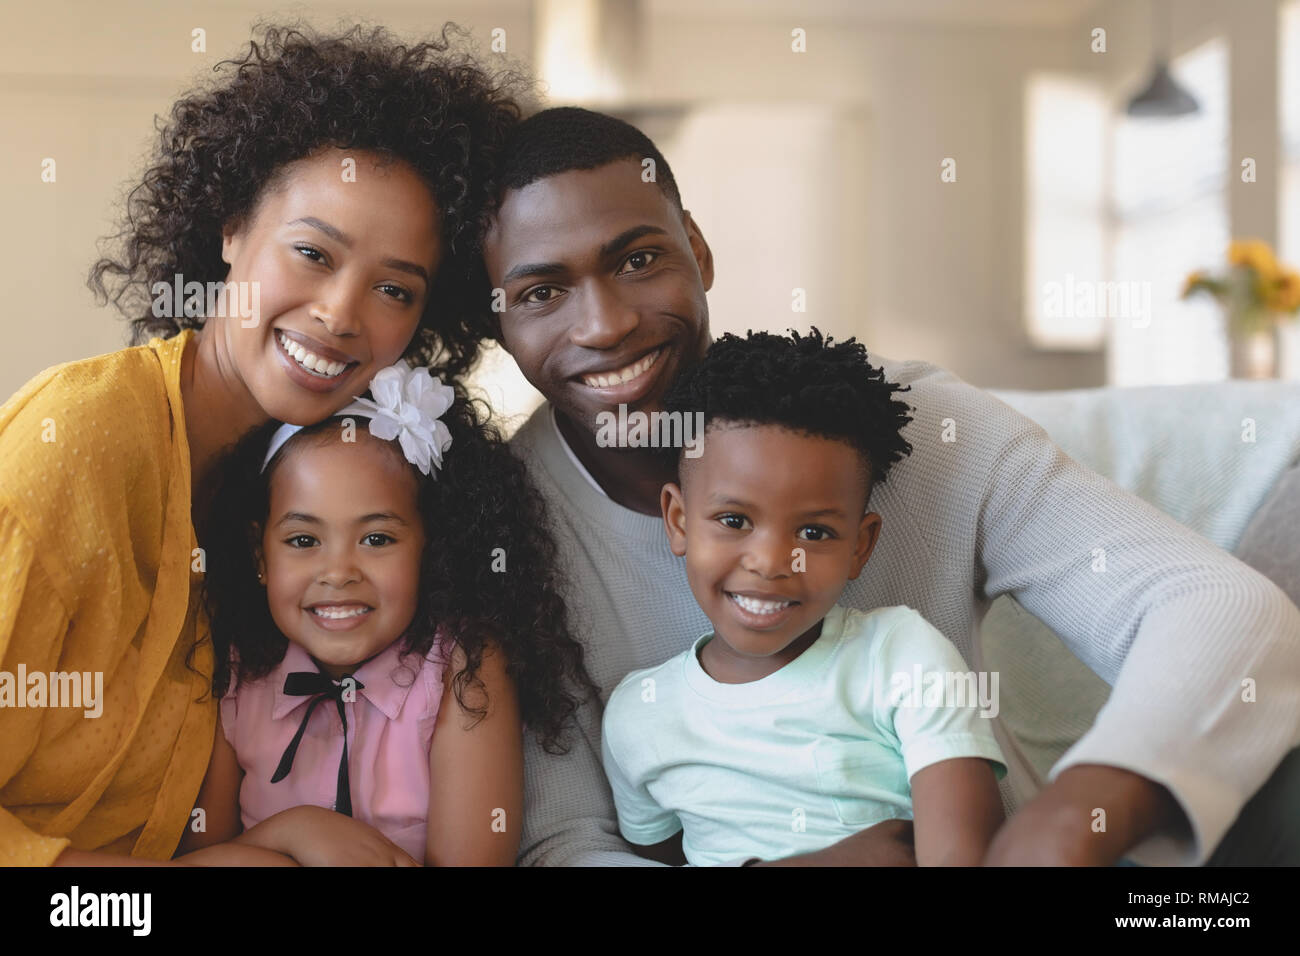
540	295
733	521
817	532
638	261
300	541
377	539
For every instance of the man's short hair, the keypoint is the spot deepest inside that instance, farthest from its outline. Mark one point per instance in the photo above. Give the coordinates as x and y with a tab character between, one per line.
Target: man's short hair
565	138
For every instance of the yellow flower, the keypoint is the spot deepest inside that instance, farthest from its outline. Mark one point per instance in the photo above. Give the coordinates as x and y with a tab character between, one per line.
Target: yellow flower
1254	254
1286	291
1192	281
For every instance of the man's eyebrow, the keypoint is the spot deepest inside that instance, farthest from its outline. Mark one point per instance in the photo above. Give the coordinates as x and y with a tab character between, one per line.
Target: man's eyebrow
629	236
531	269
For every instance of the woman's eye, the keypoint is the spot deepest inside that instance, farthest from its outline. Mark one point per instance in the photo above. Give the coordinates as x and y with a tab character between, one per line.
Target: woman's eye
540	295
397	292
300	541
817	532
735	522
638	261
310	252
377	539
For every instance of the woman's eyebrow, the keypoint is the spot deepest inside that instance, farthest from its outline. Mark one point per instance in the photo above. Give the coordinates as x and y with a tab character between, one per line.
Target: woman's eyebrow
343	239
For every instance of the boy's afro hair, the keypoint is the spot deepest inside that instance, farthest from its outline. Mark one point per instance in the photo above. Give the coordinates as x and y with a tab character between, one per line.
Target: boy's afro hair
806	383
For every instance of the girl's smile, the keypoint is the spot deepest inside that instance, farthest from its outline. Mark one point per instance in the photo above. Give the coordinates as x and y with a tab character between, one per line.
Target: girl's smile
342	548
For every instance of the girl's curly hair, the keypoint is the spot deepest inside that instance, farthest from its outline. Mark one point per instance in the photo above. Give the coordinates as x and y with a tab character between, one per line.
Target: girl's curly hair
479	501
429	104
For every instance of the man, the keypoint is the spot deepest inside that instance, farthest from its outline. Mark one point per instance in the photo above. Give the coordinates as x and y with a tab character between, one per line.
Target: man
604	277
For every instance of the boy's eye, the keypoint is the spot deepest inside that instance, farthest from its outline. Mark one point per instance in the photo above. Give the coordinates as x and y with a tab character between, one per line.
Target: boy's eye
734	521
300	541
377	539
817	532
638	261
540	295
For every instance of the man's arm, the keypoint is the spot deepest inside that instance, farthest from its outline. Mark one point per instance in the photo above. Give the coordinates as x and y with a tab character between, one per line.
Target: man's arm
569	817
1203	653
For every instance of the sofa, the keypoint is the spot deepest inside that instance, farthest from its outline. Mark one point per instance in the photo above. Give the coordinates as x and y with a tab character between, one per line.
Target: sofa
1221	458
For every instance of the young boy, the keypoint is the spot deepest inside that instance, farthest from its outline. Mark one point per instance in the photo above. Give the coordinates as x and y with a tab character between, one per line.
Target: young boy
796	722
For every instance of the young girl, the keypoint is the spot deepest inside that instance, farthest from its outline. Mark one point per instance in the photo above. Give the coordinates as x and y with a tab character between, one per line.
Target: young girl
335	186
385	598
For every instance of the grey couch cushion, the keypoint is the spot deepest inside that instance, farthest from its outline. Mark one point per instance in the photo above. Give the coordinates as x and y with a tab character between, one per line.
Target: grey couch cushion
1271	542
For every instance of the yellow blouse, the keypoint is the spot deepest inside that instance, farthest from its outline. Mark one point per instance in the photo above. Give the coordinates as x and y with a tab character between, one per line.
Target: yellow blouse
98	576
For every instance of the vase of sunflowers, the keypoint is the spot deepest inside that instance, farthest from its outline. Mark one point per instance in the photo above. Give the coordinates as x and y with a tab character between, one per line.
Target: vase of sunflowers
1257	295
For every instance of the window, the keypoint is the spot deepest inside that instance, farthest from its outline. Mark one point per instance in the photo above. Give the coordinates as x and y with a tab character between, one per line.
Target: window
1064	232
1169	209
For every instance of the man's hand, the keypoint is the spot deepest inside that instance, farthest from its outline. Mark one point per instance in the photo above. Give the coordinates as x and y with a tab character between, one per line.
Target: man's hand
314	836
886	844
1056	828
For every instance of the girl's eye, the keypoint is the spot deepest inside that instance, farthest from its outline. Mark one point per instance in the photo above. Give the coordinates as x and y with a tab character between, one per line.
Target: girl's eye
540	295
383	539
300	541
397	292
638	261
734	521
817	532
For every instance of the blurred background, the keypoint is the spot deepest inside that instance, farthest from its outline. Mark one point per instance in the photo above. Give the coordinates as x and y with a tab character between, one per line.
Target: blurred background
1018	190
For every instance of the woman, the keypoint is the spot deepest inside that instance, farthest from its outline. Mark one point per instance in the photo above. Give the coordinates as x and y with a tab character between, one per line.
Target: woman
336	186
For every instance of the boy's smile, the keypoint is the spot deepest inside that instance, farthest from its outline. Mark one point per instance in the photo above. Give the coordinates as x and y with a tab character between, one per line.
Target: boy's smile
772	526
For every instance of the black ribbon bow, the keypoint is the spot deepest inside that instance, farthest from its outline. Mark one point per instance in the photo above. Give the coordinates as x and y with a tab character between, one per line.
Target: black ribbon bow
322	687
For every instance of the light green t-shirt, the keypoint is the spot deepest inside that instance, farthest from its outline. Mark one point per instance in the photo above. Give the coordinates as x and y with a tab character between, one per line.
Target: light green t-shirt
822	748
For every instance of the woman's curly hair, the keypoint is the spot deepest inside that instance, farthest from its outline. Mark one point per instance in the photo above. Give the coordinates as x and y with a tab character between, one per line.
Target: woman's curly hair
479	501
429	104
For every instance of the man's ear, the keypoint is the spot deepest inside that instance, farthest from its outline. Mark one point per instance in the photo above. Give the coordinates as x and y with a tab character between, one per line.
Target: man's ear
700	248
673	506
868	535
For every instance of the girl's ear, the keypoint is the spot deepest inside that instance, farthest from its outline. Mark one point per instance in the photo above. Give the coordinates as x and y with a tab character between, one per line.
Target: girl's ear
673	506
255	542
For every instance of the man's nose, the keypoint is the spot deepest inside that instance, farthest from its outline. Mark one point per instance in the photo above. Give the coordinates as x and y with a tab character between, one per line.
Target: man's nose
605	319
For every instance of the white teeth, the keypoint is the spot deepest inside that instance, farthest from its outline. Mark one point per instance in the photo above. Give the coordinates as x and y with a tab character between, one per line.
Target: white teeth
639	367
310	360
755	606
338	614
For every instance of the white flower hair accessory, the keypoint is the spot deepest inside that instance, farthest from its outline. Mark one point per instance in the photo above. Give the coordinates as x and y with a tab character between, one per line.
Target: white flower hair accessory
407	405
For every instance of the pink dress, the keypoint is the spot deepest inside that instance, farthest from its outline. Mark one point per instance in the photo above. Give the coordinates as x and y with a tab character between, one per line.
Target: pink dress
390	727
